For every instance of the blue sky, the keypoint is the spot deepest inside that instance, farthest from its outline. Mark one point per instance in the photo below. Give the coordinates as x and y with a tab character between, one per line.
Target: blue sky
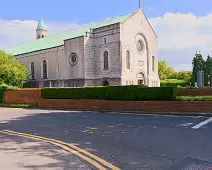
182	26
85	11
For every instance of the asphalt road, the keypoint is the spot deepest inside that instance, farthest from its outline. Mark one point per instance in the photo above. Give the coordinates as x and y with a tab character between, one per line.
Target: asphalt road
127	141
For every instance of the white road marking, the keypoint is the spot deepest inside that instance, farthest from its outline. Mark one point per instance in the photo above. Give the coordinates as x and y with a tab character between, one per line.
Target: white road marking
185	124
202	124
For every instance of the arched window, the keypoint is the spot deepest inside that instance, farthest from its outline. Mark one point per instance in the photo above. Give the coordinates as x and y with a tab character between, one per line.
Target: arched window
32	70
45	69
153	63
128	59
42	36
106	64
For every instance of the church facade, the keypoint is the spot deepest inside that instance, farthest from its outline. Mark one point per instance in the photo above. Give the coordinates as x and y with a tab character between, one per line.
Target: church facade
116	52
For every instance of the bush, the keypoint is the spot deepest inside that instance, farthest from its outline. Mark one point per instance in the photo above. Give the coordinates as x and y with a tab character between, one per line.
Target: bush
1	96
174	83
195	98
6	87
190	87
125	93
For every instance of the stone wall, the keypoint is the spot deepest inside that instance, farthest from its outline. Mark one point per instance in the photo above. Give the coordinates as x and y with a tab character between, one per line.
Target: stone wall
135	28
74	70
96	42
55	63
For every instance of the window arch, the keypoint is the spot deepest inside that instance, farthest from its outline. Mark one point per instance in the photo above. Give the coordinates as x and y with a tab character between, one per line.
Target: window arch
153	63
32	70
45	69
128	59
106	60
42	36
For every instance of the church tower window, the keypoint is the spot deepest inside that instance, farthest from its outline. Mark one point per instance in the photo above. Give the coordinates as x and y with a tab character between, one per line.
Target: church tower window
106	64
128	59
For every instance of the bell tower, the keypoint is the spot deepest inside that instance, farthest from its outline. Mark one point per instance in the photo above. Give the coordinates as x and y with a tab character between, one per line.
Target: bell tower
41	31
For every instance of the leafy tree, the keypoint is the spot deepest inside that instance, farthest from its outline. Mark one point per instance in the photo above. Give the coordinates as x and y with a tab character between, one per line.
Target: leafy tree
208	70
12	72
164	71
175	75
198	65
185	75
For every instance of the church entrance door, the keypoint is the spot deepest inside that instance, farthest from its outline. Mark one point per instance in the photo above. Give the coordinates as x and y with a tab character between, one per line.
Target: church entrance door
141	79
105	83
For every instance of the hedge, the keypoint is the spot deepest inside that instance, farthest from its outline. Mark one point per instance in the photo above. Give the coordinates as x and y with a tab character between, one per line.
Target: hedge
125	93
194	98
1	95
174	83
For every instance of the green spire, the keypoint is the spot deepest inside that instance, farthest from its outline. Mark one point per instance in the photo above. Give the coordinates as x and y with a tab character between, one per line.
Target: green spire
41	25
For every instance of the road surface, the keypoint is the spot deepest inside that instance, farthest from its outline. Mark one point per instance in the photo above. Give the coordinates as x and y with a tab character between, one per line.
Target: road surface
125	141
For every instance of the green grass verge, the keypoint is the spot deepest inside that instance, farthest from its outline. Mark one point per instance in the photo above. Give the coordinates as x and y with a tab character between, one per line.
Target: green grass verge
194	98
19	105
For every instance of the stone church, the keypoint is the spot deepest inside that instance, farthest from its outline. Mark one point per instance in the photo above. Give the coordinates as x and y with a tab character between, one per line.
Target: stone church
116	52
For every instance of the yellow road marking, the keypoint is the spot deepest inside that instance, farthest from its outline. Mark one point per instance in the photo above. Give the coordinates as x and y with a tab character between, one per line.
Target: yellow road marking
80	155
66	146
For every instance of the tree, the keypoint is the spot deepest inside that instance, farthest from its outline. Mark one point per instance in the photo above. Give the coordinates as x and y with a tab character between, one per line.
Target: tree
208	70
12	72
198	65
164	71
185	75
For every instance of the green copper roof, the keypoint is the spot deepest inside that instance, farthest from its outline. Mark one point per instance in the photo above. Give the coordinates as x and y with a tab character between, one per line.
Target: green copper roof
41	25
58	39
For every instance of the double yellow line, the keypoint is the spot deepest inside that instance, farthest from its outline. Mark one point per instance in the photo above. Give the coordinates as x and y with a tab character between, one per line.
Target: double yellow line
83	154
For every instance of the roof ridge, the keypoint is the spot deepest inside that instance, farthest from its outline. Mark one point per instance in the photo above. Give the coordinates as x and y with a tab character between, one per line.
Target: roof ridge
92	23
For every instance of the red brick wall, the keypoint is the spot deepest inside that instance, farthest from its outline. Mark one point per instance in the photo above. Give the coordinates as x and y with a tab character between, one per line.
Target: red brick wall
22	96
34	97
158	106
196	92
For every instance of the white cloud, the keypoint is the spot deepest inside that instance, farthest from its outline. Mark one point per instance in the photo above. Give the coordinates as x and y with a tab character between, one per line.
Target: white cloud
180	35
17	32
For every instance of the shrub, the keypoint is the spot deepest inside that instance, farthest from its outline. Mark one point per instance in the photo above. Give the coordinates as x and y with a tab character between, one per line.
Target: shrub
179	87
6	87
174	83
3	88
1	96
190	87
126	93
195	98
